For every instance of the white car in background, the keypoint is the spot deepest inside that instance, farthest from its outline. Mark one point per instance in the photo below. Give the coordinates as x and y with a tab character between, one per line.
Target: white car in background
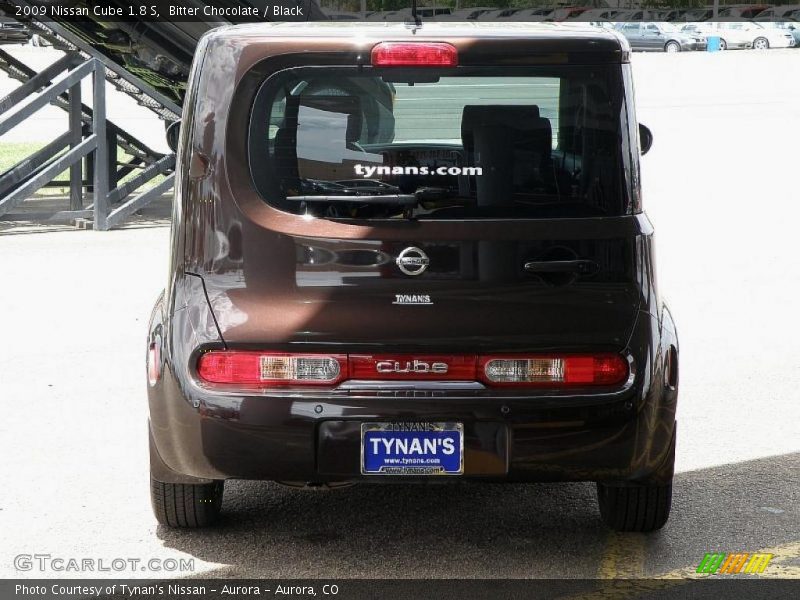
787	24
762	37
729	39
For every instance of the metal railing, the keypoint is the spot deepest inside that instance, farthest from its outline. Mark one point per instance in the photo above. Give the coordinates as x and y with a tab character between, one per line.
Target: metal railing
111	205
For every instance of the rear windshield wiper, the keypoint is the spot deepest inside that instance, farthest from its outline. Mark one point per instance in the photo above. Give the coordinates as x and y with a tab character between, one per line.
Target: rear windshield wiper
393	199
407	201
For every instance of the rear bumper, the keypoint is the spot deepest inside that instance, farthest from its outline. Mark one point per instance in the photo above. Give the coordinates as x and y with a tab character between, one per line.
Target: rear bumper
615	437
198	433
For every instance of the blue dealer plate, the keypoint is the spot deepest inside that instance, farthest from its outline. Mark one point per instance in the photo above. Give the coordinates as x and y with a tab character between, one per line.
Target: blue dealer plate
412	448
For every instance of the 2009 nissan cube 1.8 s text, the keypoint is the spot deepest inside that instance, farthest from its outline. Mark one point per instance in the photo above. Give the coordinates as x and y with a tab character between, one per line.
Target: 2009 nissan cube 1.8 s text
411	253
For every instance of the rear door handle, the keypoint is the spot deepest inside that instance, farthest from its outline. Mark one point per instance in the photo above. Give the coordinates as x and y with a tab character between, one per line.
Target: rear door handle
579	267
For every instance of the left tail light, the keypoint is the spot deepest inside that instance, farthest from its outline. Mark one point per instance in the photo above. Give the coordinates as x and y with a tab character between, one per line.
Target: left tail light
223	366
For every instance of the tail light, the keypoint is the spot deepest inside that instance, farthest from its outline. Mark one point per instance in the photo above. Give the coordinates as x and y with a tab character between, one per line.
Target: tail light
271	368
414	54
600	369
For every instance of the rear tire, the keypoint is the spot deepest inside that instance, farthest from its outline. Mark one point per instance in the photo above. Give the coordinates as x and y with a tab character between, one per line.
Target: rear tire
186	505
723	45
639	508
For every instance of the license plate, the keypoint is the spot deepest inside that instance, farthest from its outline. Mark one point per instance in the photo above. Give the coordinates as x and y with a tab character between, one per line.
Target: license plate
412	448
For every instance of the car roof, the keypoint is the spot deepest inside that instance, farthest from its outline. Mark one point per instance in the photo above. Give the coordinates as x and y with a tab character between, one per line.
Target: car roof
399	31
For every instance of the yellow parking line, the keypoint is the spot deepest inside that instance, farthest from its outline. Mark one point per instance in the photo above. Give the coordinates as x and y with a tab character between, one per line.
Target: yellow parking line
623	557
775	569
621	548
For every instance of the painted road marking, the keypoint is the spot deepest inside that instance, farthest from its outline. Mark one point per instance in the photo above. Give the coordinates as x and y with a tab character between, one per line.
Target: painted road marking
623	561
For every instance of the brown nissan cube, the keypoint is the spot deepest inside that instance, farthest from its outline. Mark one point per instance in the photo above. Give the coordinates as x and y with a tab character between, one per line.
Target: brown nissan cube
411	253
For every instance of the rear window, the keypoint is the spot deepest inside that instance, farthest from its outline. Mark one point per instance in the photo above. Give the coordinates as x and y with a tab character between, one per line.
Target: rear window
463	143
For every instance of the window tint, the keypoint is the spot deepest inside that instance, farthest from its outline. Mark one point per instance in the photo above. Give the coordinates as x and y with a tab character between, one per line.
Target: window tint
456	144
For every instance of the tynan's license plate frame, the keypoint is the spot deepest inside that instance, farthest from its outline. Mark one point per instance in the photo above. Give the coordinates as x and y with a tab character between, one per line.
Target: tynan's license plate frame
439	462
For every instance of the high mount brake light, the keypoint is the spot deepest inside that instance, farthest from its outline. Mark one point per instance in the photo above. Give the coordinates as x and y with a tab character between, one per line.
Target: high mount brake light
507	370
270	368
414	54
597	369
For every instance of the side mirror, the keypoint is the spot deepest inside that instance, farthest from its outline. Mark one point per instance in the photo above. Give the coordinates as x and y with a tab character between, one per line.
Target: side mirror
173	134
645	138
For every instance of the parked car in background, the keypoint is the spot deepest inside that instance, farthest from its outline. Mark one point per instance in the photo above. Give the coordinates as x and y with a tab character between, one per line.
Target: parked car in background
660	37
762	37
427	12
640	15
597	14
466	14
567	13
778	12
531	14
787	25
691	16
743	11
13	32
729	39
498	14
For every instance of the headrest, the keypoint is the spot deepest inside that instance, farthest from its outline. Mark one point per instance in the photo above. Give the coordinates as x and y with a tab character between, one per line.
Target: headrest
524	116
343	105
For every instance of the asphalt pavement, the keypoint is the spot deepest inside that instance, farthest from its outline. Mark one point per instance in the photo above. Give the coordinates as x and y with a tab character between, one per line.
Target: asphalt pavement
720	185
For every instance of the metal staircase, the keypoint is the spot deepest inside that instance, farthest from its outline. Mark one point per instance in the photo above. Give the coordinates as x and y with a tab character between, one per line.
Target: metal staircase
146	60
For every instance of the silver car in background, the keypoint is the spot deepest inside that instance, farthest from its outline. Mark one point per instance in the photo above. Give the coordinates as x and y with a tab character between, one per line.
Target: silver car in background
660	37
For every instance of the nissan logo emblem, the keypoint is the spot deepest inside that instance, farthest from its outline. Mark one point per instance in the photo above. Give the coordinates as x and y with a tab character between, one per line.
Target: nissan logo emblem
412	261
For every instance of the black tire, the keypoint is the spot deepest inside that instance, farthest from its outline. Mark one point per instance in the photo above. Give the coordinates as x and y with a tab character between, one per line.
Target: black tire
761	43
639	508
186	505
723	45
672	47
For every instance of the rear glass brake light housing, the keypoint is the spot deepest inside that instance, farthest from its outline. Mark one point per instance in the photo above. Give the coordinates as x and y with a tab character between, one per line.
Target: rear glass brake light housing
414	54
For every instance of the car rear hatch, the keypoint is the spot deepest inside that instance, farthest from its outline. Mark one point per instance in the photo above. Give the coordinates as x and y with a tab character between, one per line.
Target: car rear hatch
403	207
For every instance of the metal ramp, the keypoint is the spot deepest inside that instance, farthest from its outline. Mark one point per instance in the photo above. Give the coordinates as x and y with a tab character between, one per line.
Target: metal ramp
92	141
123	80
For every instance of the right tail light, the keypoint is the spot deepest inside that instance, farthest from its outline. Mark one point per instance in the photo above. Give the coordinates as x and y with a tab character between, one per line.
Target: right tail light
515	370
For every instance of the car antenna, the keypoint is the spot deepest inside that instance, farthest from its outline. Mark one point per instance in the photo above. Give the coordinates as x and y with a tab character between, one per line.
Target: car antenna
415	19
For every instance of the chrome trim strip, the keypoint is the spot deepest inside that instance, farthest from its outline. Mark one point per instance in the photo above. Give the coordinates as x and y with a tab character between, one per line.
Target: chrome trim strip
391	385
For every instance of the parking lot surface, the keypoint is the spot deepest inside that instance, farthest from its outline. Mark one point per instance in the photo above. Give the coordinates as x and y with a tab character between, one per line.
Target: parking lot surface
721	186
